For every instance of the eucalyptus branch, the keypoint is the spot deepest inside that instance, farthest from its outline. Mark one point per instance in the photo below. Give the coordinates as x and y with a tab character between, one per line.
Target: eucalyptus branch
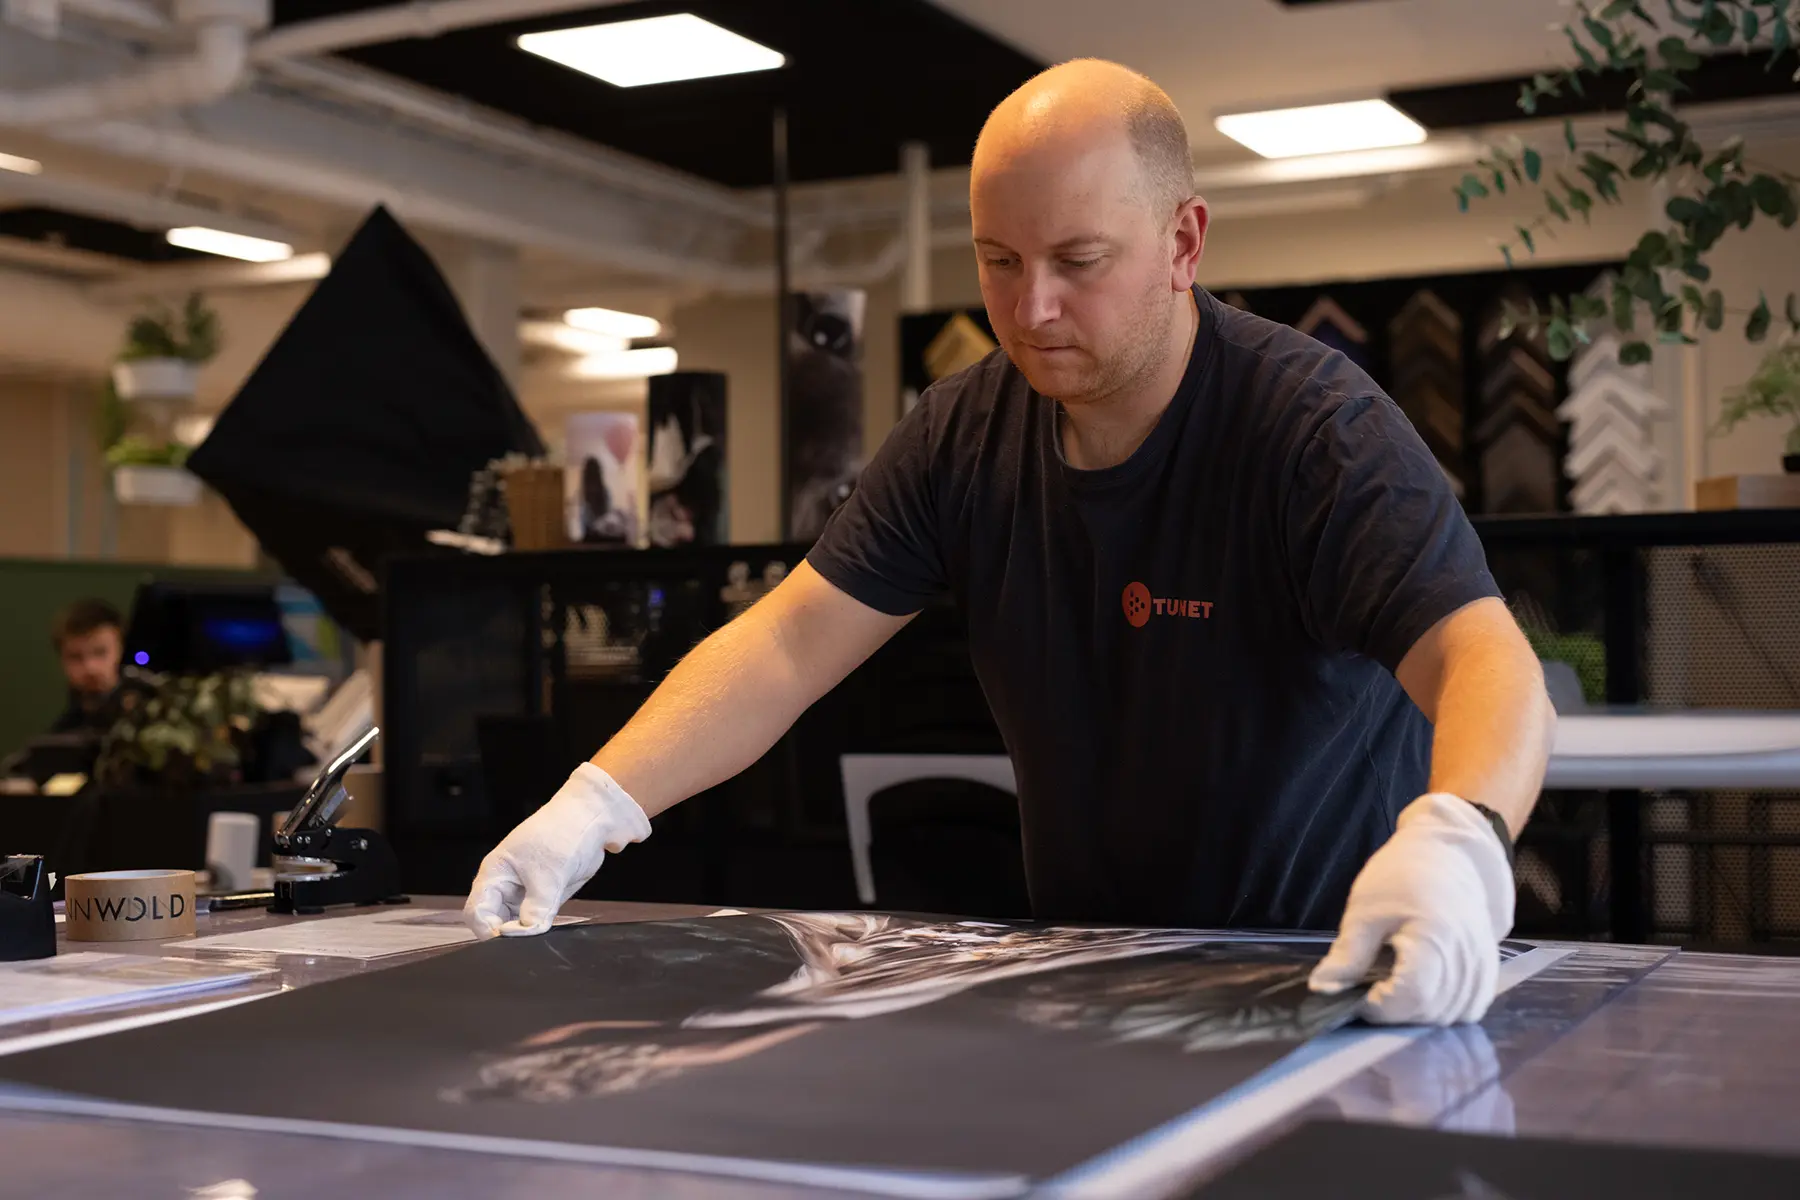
1714	189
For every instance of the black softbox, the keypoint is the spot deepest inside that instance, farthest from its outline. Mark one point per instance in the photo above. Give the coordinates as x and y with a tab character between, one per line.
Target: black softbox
358	431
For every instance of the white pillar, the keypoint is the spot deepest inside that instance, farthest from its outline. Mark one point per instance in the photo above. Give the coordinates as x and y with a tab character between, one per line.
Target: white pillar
1680	437
915	227
485	277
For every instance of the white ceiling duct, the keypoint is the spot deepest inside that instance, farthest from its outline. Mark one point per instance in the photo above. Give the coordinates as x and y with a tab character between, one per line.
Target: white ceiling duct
214	68
132	207
427	18
513	137
177	278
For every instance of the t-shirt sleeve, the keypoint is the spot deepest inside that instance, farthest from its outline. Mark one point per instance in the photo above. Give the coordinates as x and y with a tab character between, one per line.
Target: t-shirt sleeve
882	546
1378	545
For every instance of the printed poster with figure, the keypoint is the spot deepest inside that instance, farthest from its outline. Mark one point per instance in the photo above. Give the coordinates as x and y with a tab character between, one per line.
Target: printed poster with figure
857	1048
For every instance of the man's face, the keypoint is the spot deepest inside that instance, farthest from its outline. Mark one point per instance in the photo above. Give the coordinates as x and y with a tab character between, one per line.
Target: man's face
1075	267
90	661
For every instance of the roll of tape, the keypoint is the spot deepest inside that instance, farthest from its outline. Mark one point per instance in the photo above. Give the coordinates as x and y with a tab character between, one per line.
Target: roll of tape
128	906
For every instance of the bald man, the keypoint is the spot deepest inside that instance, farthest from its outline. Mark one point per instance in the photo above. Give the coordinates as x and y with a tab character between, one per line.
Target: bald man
1240	639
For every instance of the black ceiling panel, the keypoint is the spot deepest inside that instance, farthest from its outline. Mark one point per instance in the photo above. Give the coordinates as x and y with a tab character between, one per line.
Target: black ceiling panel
57	228
1496	101
862	76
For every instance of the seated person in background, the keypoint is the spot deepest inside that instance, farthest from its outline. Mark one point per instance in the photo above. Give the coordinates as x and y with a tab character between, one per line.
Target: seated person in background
90	642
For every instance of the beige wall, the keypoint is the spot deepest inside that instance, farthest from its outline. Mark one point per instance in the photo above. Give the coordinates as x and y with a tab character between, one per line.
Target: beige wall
55	493
34	485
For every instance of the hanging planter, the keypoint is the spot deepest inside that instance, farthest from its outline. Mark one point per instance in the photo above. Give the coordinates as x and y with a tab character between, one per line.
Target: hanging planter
168	486
155	378
152	472
164	350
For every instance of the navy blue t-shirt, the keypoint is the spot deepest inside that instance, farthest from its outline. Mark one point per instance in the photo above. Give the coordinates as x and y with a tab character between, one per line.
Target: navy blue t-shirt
1188	654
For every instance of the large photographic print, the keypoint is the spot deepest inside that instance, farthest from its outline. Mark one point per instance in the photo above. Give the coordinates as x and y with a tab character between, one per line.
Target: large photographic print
996	1052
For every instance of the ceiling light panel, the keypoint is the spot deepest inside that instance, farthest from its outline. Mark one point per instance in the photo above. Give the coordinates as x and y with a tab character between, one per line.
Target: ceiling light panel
626	364
613	323
1322	128
652	50
229	245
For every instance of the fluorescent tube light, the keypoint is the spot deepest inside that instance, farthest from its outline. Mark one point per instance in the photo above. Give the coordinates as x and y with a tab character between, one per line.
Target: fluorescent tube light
229	245
567	337
1322	128
652	50
626	364
613	323
22	166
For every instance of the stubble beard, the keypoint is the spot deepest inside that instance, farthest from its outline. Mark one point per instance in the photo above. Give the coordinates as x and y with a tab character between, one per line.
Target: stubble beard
1106	379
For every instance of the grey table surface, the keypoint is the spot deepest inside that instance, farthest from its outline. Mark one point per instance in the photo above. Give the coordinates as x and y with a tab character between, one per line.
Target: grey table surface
1615	1043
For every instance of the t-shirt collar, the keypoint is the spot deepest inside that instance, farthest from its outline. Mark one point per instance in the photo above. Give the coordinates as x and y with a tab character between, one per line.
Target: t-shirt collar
1153	447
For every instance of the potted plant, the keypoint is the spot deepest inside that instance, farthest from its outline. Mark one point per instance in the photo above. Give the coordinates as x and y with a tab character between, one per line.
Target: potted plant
191	731
164	351
147	471
1772	391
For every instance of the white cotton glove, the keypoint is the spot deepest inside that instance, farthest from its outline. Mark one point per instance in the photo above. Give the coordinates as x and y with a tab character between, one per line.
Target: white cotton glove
532	873
1441	892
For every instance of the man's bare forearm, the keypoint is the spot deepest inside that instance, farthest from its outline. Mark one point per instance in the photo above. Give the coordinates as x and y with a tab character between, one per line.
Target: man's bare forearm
1493	729
1476	678
738	691
718	711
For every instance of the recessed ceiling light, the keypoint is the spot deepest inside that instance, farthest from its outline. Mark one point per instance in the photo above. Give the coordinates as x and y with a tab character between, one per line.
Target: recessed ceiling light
626	364
613	323
229	245
652	50
23	166
1322	128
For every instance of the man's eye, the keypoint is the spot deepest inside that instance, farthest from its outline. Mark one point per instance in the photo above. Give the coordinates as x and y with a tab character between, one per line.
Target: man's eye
1000	263
1078	264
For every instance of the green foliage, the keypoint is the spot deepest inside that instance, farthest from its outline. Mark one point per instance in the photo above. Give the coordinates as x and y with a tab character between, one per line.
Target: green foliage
1773	391
1713	189
191	334
1582	651
187	731
133	450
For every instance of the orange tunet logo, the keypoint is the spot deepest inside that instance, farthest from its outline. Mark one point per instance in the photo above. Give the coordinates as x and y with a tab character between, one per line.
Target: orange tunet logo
1140	606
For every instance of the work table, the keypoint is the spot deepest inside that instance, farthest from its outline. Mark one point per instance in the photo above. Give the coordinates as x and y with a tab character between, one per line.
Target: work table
1617	1043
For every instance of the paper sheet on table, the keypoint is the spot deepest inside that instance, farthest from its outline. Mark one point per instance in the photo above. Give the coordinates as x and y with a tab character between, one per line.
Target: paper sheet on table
364	936
93	979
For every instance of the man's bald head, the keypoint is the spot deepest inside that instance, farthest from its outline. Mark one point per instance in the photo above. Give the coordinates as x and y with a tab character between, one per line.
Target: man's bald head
1087	232
1087	99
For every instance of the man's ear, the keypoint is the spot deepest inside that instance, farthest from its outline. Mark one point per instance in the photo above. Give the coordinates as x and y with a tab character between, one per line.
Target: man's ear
1191	221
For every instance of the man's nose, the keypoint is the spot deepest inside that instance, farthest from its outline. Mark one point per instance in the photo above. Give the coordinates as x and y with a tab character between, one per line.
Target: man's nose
1039	302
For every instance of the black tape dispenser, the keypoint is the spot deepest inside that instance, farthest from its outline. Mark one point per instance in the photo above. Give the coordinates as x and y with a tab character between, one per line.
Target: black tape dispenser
27	921
318	865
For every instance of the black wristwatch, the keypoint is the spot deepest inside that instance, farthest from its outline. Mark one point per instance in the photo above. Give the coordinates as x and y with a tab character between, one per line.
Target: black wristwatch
1500	829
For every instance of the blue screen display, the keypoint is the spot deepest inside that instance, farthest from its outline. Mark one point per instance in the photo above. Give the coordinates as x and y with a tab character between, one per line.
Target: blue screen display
247	637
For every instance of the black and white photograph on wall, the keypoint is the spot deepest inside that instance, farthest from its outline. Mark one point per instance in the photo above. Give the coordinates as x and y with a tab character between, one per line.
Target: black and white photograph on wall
824	434
601	452
852	1041
687	459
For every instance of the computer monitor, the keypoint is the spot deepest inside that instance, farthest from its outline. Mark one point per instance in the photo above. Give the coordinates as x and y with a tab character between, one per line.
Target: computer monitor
183	628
